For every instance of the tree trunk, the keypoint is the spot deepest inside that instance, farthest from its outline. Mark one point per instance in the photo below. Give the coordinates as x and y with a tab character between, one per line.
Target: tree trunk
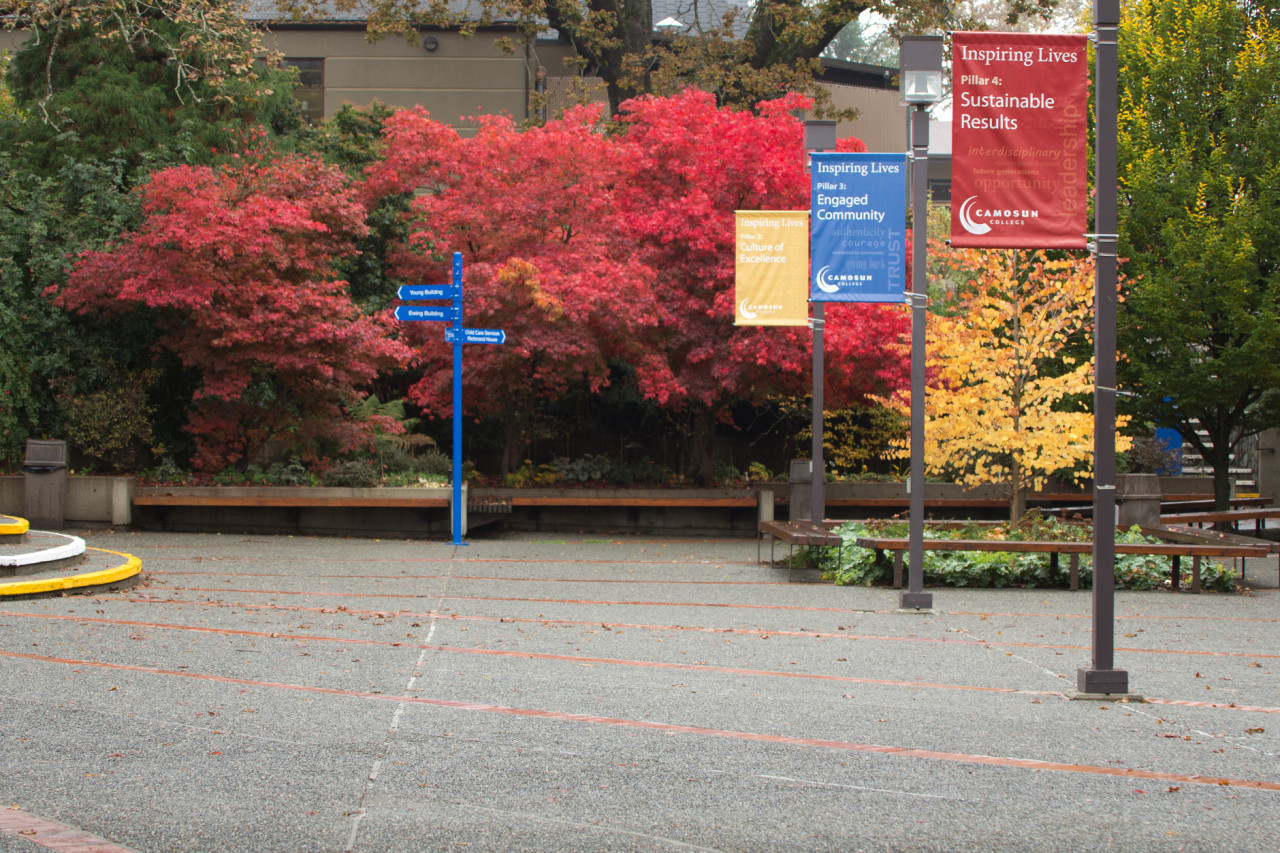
1017	494
702	446
513	443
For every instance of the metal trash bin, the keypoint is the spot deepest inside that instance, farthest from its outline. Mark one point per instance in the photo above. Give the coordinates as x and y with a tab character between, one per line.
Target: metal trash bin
44	484
801	482
1138	500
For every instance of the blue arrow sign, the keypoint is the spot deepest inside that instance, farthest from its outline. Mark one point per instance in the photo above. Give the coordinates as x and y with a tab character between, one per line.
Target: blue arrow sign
425	312
475	336
429	291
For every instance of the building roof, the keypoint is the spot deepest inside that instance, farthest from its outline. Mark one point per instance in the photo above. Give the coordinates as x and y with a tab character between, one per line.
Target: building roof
695	15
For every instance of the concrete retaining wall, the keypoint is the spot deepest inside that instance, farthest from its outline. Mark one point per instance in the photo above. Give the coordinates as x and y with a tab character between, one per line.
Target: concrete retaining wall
91	501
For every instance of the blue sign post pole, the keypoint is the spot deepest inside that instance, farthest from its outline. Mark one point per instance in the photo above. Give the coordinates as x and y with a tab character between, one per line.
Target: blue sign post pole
456	503
456	335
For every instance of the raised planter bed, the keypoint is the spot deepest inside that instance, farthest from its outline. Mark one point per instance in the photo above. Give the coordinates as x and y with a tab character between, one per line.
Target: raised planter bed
407	512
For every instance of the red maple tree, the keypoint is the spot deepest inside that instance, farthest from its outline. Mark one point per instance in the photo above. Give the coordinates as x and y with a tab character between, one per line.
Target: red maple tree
535	215
237	262
690	166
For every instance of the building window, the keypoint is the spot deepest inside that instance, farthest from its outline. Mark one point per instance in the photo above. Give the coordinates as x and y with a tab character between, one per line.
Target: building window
309	91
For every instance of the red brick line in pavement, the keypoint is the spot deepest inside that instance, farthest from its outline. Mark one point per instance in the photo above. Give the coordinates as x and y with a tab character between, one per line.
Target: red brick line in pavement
695	628
668	728
618	603
1119	617
499	578
613	602
688	667
688	560
52	835
605	661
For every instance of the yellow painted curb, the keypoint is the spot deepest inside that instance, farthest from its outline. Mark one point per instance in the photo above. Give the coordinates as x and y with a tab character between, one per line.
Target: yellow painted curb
11	526
131	567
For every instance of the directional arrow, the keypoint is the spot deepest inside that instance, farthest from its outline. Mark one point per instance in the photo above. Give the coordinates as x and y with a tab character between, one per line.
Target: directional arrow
425	312
475	336
428	291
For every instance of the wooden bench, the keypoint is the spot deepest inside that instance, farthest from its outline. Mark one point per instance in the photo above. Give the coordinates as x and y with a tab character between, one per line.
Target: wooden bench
587	499
1227	516
1204	536
288	501
1169	505
1175	550
802	533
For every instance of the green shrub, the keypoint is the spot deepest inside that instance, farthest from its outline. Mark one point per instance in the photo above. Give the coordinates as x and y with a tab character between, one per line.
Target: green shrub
723	472
352	474
435	463
395	459
293	474
587	469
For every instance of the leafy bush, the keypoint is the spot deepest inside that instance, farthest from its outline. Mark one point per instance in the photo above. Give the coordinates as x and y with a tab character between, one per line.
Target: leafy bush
530	475
435	463
111	425
858	566
723	472
293	474
601	469
352	474
279	474
395	459
587	469
414	478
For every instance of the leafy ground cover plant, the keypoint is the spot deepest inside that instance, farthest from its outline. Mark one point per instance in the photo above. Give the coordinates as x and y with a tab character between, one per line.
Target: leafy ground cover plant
853	565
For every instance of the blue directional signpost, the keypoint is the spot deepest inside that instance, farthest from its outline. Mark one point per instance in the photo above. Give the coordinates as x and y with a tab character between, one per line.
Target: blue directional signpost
456	335
475	336
425	312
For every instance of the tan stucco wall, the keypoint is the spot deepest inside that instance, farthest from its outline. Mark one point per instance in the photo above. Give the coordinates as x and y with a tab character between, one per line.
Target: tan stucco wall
881	121
461	77
10	40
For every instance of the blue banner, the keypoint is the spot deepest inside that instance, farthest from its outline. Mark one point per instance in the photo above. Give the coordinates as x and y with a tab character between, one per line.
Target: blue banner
858	228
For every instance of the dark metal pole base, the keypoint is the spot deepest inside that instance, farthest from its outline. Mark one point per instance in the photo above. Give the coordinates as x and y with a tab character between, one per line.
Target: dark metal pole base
1102	681
915	600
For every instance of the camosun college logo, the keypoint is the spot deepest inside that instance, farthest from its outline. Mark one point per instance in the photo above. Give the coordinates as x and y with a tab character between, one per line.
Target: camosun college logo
966	218
751	312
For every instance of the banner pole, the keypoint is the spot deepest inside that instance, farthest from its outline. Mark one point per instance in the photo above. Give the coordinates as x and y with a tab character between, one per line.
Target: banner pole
1102	676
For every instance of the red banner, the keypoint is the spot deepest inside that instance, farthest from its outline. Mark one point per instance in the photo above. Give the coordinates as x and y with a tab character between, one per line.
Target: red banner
1019	141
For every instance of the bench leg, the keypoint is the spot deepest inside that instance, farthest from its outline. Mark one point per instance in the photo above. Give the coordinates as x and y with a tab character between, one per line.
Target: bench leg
1074	564
1175	574
897	570
1053	566
1195	574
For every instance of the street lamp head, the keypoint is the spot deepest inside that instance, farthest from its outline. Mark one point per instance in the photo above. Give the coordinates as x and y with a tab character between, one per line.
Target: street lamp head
819	135
921	67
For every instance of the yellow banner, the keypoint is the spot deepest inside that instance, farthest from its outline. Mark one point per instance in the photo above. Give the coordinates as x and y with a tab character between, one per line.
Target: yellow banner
771	270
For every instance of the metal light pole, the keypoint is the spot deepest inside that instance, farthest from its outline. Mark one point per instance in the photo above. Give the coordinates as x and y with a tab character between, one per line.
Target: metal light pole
1102	676
819	135
921	60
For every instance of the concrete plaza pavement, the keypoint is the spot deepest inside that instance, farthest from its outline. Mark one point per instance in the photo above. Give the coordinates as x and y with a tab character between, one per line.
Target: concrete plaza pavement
569	693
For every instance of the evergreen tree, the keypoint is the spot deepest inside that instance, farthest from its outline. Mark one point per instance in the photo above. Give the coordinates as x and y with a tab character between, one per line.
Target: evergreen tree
1199	149
152	91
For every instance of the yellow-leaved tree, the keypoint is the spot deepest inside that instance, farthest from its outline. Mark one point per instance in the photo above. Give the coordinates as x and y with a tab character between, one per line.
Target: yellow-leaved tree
1008	402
